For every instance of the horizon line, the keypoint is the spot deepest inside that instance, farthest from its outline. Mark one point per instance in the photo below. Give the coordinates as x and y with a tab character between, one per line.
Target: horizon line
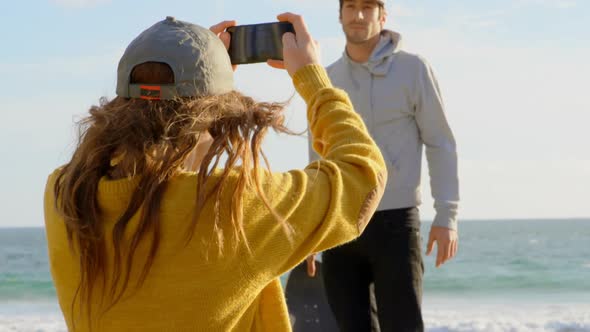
422	221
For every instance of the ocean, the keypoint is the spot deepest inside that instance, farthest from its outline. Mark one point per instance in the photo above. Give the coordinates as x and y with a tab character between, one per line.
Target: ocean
509	275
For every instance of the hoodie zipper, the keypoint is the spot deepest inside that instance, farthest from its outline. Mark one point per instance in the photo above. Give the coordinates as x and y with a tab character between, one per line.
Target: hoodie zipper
371	100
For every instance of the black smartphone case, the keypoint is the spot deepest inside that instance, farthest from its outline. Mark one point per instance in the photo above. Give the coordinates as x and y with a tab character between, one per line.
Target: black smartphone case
257	42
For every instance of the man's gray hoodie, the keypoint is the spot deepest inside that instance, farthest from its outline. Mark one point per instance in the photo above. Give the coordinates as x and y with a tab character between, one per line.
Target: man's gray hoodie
398	97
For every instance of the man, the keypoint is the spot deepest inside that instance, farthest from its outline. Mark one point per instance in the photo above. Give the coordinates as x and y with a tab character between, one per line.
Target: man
397	95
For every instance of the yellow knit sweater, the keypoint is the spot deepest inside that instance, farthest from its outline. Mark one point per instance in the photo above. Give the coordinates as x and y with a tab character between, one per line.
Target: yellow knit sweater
190	288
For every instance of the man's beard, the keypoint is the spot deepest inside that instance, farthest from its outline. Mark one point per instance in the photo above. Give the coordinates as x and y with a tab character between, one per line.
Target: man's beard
357	36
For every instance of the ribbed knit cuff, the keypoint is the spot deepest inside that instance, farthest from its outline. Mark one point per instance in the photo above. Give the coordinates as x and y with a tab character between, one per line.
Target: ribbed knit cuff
448	220
309	80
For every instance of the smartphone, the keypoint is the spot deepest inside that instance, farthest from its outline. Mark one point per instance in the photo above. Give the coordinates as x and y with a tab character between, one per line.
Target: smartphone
255	43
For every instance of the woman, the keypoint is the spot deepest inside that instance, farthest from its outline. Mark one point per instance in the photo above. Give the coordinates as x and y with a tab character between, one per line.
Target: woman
146	233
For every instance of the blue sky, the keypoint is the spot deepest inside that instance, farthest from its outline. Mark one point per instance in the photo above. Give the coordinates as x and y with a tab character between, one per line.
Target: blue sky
514	76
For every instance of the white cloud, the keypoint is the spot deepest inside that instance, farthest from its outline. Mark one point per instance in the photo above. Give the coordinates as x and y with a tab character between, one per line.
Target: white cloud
305	4
80	3
398	9
534	94
76	65
474	17
478	20
507	189
562	4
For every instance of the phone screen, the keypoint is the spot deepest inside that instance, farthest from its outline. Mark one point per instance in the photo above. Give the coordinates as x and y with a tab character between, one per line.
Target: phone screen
257	42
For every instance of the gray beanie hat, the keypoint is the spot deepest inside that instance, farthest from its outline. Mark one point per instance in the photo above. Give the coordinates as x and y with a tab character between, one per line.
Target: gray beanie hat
197	57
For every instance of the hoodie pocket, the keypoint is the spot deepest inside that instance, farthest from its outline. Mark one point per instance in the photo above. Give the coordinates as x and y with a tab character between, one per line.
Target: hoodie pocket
398	148
392	144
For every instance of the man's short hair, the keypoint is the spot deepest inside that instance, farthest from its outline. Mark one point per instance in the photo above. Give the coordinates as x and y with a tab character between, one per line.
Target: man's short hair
381	4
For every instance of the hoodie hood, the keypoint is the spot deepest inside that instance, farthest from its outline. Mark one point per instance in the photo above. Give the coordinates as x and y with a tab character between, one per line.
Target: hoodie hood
383	54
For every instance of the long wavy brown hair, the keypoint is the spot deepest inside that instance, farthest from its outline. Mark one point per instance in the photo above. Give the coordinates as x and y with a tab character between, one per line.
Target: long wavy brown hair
152	140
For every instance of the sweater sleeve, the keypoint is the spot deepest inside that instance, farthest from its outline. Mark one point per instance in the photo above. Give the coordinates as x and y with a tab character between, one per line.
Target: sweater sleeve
441	150
330	201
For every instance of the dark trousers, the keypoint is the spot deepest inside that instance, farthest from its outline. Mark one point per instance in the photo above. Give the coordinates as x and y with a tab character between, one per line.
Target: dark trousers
387	258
